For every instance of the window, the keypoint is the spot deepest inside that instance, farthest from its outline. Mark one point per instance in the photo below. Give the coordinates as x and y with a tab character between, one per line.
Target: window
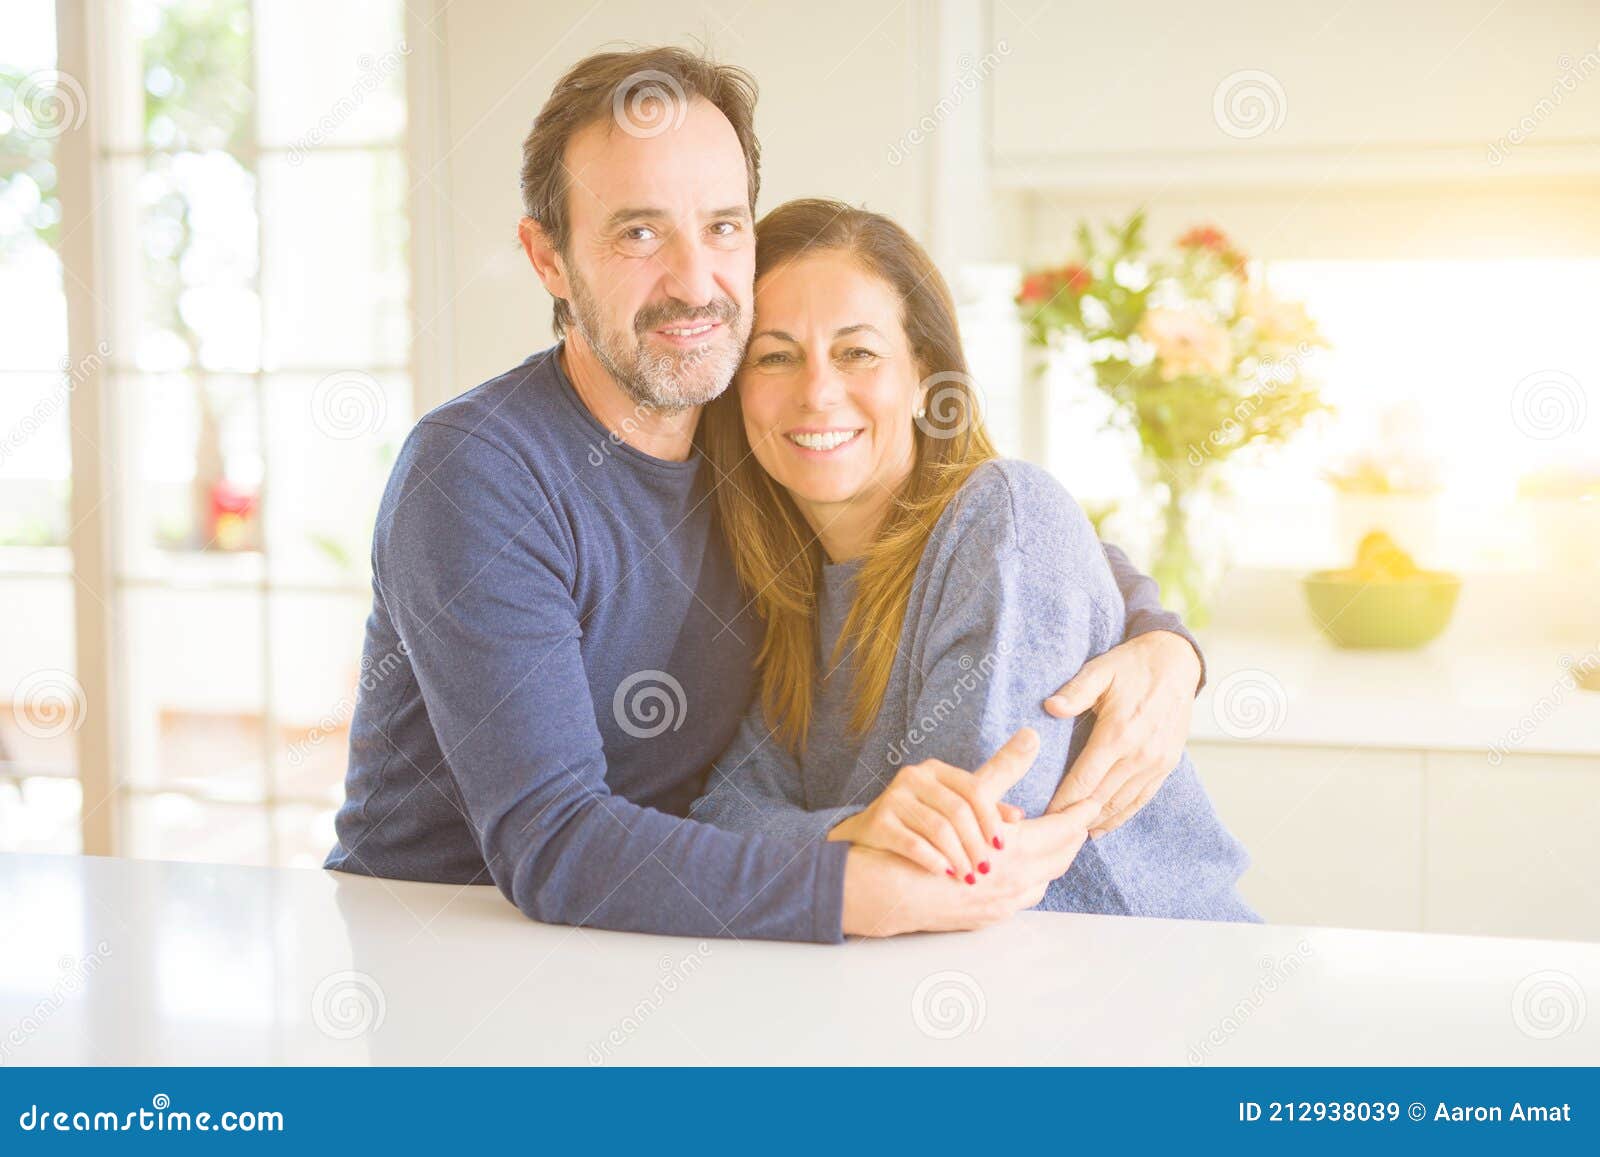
252	220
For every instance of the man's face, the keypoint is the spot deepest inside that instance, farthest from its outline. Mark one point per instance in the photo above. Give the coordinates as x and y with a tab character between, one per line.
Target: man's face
661	255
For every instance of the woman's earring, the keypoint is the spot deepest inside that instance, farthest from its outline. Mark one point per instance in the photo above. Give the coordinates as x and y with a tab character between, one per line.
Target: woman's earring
922	412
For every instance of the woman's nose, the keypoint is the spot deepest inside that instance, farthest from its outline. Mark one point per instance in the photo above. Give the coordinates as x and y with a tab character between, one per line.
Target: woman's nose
820	388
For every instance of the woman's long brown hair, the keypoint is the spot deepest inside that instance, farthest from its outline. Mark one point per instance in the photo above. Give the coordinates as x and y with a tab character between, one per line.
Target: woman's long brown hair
776	553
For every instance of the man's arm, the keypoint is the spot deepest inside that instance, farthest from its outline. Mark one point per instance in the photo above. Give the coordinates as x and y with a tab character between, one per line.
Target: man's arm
1142	694
1141	596
472	568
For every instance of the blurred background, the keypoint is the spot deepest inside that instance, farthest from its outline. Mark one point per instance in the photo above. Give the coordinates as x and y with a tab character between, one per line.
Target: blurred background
1299	300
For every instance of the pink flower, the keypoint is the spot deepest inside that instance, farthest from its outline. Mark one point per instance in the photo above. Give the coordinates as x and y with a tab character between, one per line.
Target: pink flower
1186	342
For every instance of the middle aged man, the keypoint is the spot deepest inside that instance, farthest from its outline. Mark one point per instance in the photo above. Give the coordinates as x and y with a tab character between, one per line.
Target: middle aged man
558	648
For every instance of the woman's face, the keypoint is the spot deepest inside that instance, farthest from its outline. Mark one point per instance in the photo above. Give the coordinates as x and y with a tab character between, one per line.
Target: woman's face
829	387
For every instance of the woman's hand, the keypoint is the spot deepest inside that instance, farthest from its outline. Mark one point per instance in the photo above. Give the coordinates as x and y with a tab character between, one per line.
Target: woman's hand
885	895
941	818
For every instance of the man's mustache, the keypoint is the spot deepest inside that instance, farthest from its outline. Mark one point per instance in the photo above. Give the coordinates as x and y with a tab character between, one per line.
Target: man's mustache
655	316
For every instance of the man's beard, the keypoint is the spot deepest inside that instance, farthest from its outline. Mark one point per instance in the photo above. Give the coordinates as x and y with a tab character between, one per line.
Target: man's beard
669	381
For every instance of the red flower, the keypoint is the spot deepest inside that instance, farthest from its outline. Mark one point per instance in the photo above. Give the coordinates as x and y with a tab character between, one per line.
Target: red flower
1205	237
1048	283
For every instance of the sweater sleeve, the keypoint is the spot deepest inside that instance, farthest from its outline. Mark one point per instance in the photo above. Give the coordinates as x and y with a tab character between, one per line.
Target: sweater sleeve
757	786
1142	597
1018	604
473	569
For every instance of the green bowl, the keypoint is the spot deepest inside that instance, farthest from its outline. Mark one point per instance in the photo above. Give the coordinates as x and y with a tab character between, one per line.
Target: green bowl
1386	613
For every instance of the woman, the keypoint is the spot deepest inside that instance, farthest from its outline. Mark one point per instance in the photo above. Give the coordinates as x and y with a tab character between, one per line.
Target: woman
899	567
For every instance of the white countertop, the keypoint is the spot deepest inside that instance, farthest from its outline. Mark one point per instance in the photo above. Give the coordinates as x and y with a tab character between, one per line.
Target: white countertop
1293	687
129	962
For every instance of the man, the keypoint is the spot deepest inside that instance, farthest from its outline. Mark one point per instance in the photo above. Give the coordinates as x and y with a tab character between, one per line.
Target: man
568	649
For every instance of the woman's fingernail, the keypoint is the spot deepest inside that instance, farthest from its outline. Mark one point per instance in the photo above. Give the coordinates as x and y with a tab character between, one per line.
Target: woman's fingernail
999	844
984	867
951	872
971	879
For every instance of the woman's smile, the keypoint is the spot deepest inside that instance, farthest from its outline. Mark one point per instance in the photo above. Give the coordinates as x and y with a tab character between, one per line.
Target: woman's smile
823	442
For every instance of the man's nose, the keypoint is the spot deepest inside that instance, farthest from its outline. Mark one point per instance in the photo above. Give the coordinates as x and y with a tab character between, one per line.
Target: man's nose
688	273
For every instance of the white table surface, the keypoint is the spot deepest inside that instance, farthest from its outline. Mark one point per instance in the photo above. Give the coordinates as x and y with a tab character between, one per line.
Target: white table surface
108	961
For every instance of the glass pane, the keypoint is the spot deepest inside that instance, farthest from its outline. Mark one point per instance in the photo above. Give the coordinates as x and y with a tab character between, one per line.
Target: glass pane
334	278
344	86
195	73
192	477
316	676
41	703
175	827
184	264
41	815
194	663
337	434
35	463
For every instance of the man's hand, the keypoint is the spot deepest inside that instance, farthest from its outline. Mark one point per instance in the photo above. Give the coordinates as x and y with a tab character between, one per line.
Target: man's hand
1142	693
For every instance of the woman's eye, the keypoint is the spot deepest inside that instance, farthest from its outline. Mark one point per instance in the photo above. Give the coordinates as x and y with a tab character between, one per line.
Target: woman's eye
773	359
859	354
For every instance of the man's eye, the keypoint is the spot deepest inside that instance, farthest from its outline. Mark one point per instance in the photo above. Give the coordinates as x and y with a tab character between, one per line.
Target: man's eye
639	233
725	228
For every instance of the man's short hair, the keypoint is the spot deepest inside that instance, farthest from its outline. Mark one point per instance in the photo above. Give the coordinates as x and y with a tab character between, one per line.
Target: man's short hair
627	87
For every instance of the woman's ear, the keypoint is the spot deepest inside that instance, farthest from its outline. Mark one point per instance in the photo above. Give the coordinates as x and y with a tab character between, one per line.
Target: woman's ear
544	258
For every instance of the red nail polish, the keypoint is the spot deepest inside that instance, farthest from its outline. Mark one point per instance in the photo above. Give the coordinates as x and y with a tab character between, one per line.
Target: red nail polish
951	872
999	844
984	867
971	879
